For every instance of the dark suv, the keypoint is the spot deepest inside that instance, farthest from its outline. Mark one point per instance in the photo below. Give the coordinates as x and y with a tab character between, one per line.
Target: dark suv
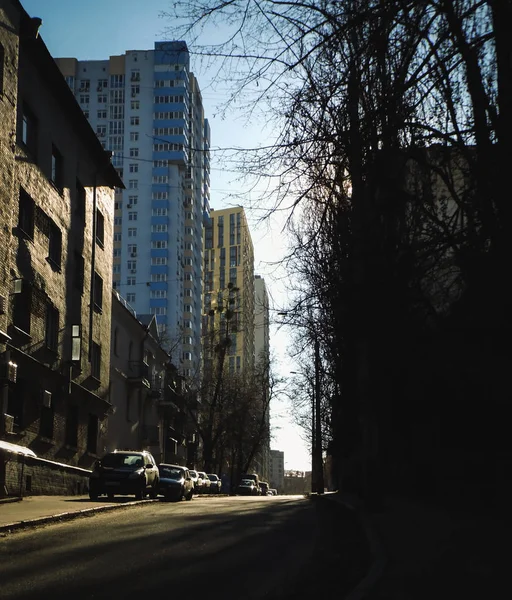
125	472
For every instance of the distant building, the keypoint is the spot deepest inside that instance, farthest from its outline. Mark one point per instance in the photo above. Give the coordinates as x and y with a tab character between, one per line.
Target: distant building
277	470
146	107
56	243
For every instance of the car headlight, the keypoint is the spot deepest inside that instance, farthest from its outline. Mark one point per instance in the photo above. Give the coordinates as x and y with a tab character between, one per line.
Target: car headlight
136	474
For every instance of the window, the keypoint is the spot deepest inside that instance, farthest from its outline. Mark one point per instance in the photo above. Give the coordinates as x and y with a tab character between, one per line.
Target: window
102	99
134	136
102	114
187	308
132	200
80	199
135	89
92	434
130	281
159	260
117	111
132	231
132	250
116	128
78	275
159	212
160	228
134	120
117	96
158	294
158	277
130	297
159	244
84	99
55	245
134	168
102	84
26	214
117	237
118	220
85	85
134	152
132	265
98	292
100	228
132	216
135	105
51	337
101	130
71	435
23	307
57	167
29	130
133	184
95	360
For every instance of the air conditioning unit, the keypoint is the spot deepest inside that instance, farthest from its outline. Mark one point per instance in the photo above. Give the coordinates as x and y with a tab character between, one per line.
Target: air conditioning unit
8	423
47	399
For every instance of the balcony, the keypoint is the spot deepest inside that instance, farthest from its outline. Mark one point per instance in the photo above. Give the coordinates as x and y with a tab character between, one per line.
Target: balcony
138	373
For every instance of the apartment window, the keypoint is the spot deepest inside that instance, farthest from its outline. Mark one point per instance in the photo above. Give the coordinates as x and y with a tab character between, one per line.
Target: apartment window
29	130
135	75
158	310
98	292
23	307
132	250
84	99
132	216
130	297
95	360
51	336
116	269
55	245
80	198
158	294
118	236
86	114
159	260
102	99
102	114
132	265
135	105
78	274
100	228
134	136
118	220
85	85
158	244
159	228
187	308
117	111
133	184
101	130
116	128
135	90
156	277
57	167
132	231
92	434
159	212
134	120
117	96
102	84
130	281
26	214
134	168
134	152
132	200
188	293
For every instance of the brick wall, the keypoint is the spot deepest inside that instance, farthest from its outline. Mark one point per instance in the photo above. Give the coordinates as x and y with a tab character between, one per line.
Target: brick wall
43	478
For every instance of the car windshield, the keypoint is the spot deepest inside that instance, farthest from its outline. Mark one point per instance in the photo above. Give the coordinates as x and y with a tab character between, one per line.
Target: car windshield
171	472
122	460
247	482
213	477
193	473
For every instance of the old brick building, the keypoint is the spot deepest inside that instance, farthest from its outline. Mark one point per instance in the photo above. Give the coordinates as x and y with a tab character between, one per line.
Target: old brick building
56	223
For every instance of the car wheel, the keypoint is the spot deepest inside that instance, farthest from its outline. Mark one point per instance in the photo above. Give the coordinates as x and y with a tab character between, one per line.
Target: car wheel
141	493
93	495
154	492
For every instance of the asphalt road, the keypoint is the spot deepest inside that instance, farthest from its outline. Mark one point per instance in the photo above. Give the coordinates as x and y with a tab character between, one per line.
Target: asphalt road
226	547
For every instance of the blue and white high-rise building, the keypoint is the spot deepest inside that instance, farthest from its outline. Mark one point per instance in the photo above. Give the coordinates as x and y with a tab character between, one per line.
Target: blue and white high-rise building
146	107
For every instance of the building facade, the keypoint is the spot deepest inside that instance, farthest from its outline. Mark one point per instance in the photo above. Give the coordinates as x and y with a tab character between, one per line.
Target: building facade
229	283
146	107
56	242
262	357
277	470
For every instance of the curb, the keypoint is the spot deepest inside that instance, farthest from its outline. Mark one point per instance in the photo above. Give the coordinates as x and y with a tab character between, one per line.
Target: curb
67	516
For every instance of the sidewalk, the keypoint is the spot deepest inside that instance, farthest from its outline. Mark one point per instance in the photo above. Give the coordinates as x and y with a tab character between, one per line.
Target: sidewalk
37	510
430	552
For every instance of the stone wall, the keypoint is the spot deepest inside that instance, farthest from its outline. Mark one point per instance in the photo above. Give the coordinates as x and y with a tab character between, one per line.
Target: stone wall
40	477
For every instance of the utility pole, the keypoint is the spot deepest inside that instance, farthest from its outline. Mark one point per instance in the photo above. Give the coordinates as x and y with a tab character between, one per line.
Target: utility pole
317	448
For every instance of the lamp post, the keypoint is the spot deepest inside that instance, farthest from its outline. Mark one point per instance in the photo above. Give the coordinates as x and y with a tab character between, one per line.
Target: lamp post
317	466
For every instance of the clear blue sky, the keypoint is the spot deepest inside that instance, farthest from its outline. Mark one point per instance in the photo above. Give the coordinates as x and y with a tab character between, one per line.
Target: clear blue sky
97	29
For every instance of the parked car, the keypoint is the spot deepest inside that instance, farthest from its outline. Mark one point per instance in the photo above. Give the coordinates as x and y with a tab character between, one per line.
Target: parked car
125	472
205	485
199	482
264	488
273	492
175	482
193	476
247	487
215	483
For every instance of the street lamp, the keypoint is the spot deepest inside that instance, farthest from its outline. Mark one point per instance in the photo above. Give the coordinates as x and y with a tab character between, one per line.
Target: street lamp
317	467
